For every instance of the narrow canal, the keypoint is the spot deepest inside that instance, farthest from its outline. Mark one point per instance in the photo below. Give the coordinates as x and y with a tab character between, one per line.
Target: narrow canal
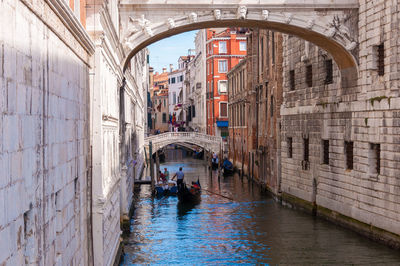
250	229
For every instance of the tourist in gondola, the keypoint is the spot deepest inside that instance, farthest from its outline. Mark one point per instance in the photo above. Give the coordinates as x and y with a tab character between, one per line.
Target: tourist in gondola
166	174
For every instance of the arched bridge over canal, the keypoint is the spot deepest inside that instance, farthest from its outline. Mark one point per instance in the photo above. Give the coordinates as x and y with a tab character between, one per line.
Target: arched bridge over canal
207	142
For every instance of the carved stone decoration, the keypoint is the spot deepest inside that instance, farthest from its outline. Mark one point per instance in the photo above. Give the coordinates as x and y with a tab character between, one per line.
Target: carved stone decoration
135	25
148	31
265	14
331	32
217	14
170	23
341	29
241	12
193	17
310	23
351	46
288	17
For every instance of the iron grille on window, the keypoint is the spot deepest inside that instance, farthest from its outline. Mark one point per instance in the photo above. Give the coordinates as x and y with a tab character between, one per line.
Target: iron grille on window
271	105
290	147
306	150
349	154
381	60
329	71
375	158
309	75
325	144
305	164
291	80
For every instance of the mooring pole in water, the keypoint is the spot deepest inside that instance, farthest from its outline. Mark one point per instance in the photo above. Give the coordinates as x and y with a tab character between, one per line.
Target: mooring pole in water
157	166
151	165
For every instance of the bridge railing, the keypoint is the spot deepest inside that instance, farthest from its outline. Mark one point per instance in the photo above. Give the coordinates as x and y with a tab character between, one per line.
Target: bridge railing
183	135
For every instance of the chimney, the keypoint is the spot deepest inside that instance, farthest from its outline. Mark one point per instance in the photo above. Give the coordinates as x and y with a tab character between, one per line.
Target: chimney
171	67
164	69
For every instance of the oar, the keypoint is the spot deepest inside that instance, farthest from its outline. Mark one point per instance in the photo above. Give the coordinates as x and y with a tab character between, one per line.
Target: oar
217	194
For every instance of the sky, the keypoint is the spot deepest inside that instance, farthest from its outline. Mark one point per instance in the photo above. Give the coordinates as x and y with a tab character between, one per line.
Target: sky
167	51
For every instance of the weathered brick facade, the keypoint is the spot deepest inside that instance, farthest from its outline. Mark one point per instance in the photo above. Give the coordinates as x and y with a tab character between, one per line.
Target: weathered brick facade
255	96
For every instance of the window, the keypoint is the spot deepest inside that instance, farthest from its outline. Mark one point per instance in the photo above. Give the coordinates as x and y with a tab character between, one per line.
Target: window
271	105
173	80
291	80
273	47
193	111
222	66
165	105
325	147
164	118
374	159
181	78
242	46
306	151
222	47
223	109
290	147
381	59
174	97
348	146
328	71
222	86
309	75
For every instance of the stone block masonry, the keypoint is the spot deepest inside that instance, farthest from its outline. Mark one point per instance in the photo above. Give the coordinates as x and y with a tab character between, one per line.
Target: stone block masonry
43	129
350	173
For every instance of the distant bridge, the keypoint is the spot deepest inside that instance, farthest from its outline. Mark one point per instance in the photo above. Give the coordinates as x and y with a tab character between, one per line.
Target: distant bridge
207	142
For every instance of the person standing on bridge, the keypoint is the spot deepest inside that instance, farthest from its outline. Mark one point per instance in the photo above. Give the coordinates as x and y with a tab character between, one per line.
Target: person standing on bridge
180	175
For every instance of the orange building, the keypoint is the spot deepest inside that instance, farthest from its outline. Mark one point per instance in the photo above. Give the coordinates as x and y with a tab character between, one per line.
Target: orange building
225	48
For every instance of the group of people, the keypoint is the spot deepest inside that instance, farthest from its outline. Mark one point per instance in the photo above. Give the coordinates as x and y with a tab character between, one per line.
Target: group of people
164	176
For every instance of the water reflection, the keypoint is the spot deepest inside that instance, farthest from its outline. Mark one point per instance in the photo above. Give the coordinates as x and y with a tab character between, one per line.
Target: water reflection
250	229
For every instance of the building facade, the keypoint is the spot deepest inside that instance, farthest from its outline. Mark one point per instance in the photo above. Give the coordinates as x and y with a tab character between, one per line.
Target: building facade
196	86
224	49
68	161
159	102
339	146
255	97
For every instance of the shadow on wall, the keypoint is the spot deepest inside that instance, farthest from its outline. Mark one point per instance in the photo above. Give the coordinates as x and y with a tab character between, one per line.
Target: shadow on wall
44	145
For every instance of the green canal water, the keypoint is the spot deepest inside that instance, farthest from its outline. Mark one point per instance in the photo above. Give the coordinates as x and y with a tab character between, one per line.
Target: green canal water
251	229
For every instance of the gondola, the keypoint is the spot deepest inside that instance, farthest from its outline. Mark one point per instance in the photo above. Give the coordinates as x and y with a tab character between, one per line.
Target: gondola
227	168
214	163
189	195
164	189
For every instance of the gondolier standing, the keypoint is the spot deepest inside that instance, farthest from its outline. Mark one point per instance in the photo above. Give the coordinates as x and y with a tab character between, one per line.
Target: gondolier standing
179	175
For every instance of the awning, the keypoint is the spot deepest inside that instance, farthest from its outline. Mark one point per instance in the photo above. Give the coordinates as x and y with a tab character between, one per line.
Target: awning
222	123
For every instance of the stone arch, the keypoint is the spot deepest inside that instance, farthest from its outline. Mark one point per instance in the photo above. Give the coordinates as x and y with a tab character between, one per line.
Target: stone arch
208	143
324	29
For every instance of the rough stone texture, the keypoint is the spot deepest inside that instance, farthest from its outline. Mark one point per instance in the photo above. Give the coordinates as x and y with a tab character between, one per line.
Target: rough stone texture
366	113
44	136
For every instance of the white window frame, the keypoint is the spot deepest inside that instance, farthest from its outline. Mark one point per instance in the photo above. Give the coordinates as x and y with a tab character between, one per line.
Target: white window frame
223	60
219	87
220	46
240	46
220	109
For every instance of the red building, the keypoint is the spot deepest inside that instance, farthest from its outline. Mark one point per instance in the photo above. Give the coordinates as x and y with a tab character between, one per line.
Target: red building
225	48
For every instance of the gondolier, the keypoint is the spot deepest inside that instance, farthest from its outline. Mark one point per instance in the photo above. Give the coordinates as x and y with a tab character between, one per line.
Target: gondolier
179	175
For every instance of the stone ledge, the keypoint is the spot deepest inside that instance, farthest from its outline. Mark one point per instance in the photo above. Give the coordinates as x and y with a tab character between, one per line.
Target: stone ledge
377	234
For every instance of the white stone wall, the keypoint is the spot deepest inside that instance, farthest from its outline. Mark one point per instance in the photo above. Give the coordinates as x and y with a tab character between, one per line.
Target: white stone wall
365	114
44	139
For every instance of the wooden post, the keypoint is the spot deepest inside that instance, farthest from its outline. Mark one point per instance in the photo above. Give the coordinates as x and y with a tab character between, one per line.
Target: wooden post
151	165
242	170
157	166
